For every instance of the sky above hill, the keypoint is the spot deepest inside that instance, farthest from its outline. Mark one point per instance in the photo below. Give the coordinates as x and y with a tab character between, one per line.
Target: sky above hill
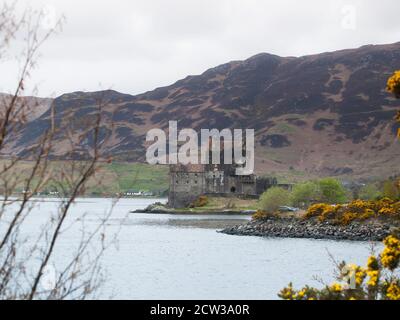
134	46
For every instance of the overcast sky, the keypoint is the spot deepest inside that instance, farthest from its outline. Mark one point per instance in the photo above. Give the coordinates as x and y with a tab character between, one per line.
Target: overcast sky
134	46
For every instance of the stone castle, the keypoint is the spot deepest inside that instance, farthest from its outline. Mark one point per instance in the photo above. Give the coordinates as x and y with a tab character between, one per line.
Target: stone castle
188	182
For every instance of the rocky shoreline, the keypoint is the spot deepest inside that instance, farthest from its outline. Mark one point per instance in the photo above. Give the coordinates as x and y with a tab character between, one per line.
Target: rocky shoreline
311	229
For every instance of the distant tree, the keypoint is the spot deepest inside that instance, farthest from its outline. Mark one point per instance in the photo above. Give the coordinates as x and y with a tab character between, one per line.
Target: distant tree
391	189
370	192
332	191
273	198
304	194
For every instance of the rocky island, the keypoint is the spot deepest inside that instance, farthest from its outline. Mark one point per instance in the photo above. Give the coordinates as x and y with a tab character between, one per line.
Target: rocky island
357	221
299	228
218	206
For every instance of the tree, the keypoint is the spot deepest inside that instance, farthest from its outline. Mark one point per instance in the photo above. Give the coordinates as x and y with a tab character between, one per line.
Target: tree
25	259
304	194
332	191
274	198
370	192
327	190
391	190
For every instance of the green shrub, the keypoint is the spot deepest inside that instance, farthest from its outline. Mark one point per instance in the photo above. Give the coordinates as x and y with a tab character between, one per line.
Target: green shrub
273	198
391	190
370	192
332	191
304	194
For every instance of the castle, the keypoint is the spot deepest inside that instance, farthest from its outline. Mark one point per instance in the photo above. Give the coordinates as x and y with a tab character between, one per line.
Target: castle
188	182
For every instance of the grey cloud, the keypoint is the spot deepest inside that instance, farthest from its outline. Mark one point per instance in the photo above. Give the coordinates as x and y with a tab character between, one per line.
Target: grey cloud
135	46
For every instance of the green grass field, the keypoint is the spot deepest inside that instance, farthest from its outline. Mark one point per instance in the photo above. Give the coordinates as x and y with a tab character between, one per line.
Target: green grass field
138	176
111	178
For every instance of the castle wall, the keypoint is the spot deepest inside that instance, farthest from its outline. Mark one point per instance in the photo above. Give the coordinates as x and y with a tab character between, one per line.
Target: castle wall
184	188
187	183
214	182
244	185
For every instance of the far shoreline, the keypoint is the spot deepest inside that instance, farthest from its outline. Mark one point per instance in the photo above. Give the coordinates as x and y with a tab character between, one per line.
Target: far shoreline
15	198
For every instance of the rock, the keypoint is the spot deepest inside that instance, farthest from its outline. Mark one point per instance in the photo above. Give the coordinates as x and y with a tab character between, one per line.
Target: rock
156	208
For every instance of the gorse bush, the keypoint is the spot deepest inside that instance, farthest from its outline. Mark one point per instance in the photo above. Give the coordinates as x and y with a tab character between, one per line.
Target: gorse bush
260	215
200	202
393	84
357	210
376	281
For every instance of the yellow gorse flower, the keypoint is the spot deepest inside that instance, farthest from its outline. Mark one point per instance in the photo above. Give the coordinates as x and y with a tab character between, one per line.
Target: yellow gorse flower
336	287
393	291
288	293
373	278
373	263
391	254
301	294
358	272
393	83
357	210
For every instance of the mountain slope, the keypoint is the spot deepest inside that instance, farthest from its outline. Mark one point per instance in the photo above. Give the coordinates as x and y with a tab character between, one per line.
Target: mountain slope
325	114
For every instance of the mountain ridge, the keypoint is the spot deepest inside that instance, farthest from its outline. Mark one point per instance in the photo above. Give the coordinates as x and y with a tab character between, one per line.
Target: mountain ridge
323	114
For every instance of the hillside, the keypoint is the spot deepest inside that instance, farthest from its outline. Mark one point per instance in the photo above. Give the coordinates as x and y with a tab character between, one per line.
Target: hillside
325	114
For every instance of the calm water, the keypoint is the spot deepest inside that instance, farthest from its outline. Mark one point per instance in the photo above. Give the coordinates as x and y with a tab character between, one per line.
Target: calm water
183	257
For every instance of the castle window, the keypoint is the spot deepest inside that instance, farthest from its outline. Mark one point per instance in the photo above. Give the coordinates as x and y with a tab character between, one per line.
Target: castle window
195	182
